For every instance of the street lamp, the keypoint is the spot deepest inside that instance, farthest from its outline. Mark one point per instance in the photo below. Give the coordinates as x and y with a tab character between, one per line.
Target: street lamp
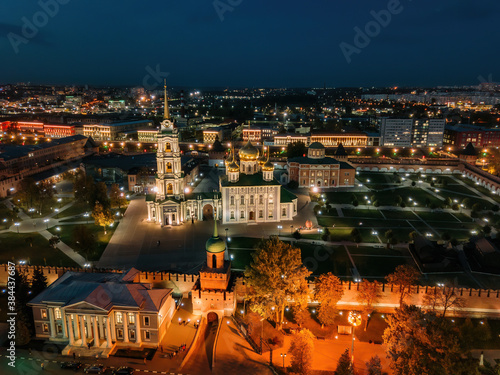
57	212
17	225
46	221
354	319
283	355
291	230
279	228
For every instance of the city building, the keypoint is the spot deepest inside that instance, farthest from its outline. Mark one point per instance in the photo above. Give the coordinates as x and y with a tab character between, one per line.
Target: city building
318	170
105	310
210	135
461	134
18	162
427	133
251	194
59	131
286	139
346	139
114	131
396	132
147	135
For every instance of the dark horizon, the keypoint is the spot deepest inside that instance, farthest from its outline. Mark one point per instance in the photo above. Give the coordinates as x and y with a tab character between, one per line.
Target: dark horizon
250	44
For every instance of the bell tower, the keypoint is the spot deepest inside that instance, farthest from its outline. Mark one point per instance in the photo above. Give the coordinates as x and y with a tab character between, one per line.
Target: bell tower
169	181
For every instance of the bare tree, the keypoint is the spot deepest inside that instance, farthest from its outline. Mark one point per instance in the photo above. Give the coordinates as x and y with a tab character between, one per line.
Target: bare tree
442	298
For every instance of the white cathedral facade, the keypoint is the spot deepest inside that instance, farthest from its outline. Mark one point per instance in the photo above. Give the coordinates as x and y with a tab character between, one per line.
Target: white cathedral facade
249	193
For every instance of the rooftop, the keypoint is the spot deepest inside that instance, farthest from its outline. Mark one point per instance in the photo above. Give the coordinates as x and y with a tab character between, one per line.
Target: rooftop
256	179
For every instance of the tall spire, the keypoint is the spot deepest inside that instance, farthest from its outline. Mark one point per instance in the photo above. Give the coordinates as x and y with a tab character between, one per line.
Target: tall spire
216	234
166	112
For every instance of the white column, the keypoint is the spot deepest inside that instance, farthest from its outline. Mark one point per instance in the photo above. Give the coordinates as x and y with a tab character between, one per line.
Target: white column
82	330
52	323
138	338
125	327
70	330
113	326
96	331
63	321
77	326
108	333
101	326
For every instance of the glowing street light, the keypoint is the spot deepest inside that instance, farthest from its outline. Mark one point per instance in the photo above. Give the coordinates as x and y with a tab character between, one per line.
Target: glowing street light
17	225
354	319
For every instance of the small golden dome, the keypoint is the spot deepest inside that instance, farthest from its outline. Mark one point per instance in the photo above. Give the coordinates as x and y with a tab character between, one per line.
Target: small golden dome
233	167
249	152
268	166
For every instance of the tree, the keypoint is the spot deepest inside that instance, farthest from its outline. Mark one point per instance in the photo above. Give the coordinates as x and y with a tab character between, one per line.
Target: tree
328	289
476	207
326	234
413	235
374	366
344	364
116	197
300	314
297	235
38	282
53	241
28	191
404	276
443	299
368	295
85	241
356	235
301	350
83	188
296	149
487	230
326	315
275	276
422	343
102	217
100	194
24	317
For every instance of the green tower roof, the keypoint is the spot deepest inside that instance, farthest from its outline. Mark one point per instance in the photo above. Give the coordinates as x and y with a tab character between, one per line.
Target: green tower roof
215	244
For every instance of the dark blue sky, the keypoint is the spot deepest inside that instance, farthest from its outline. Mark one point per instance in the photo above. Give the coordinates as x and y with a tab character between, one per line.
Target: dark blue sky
260	43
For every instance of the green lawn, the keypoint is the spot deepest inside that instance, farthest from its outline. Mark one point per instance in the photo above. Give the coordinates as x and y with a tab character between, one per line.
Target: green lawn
436	216
322	259
375	177
76	209
245	242
400	215
362	213
377	251
377	266
15	247
66	235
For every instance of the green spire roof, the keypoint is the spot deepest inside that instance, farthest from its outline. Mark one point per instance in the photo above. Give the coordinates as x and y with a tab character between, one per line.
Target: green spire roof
215	244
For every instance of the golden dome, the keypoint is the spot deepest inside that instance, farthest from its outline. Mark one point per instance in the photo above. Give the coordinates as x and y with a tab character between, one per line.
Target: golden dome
233	167
248	152
268	166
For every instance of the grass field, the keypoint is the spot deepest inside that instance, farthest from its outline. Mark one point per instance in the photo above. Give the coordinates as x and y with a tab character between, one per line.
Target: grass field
67	236
33	248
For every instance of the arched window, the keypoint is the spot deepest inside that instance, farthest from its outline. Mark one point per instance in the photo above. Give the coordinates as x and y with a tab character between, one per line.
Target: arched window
170	189
168	148
214	261
169	167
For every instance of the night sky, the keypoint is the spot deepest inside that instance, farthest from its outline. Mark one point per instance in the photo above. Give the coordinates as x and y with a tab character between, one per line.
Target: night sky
258	43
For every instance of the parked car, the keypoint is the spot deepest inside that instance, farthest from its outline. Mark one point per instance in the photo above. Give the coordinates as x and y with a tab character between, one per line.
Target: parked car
95	369
71	365
124	371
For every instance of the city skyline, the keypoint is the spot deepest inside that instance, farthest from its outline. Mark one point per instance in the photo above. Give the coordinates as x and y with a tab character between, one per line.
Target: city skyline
249	44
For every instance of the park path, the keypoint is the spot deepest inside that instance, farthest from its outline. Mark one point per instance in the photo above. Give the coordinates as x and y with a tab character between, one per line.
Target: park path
40	226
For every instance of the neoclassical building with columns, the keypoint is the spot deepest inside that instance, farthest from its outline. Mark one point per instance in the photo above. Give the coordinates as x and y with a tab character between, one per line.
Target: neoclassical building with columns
105	310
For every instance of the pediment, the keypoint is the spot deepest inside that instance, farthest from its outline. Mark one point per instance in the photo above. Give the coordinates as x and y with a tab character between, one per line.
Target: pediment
84	307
